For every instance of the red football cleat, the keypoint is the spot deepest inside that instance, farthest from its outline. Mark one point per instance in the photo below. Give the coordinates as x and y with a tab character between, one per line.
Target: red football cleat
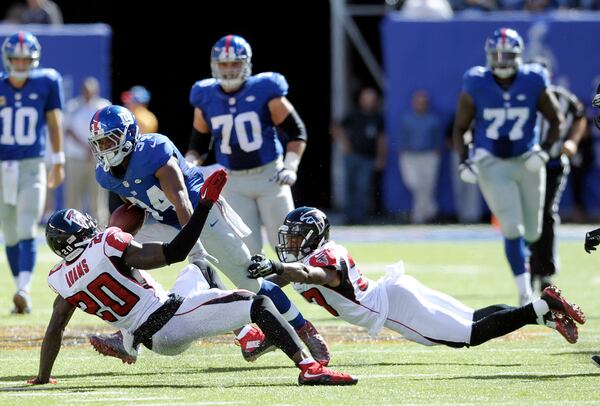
316	374
315	343
565	326
254	344
553	296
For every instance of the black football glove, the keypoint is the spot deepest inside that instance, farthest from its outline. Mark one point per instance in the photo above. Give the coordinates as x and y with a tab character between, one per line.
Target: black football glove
596	103
592	239
262	266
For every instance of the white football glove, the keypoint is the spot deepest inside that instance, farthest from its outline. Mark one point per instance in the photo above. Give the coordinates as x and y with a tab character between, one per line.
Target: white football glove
467	171
536	160
286	177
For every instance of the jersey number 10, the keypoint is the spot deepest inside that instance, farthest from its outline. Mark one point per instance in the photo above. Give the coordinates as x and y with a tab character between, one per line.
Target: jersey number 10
21	131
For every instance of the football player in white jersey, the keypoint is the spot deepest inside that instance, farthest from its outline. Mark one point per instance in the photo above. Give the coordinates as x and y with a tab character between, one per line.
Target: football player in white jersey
101	274
325	273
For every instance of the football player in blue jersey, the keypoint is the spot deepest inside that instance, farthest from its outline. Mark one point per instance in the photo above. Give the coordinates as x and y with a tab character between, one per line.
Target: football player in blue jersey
243	115
149	171
506	158
31	102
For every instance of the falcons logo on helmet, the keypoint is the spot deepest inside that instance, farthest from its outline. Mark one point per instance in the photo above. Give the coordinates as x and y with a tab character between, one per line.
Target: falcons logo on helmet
314	217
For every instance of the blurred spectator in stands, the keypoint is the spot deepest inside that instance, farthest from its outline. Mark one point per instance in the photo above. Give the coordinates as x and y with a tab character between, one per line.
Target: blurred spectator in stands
474	5
136	99
13	14
80	166
362	141
41	12
420	142
427	9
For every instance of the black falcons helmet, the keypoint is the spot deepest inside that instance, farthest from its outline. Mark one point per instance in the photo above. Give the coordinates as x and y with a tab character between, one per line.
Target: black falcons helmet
309	225
68	231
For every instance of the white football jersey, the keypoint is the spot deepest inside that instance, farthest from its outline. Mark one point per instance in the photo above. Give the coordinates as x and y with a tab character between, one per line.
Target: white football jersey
94	283
357	300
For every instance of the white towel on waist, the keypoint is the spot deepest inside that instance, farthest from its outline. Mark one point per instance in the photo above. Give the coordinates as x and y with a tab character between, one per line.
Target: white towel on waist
10	181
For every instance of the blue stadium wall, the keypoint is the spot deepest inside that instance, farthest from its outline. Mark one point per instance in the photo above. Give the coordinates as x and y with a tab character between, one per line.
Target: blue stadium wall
433	55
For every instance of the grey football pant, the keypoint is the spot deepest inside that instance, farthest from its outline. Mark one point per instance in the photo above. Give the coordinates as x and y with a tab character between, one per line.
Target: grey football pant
514	195
20	222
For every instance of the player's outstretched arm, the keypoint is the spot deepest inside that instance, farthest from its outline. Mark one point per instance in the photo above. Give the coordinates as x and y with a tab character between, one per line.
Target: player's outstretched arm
172	184
61	315
155	255
296	272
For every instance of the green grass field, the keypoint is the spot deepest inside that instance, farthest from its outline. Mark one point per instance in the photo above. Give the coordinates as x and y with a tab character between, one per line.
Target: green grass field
533	365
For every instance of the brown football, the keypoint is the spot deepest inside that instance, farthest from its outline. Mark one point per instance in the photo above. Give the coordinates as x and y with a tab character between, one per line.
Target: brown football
128	217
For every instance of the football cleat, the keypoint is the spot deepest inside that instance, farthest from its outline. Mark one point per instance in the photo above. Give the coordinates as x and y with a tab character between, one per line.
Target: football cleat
315	343
254	344
565	325
557	303
316	374
22	302
112	345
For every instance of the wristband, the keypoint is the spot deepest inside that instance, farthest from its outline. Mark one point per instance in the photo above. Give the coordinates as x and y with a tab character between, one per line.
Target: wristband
57	158
277	267
291	161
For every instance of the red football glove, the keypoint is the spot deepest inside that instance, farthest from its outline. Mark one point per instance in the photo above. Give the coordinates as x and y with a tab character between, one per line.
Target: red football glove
212	186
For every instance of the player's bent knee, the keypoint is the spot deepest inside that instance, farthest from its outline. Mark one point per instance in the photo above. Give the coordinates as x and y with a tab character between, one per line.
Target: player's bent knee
511	231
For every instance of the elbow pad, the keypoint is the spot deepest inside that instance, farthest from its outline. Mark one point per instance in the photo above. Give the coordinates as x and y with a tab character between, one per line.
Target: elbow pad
293	127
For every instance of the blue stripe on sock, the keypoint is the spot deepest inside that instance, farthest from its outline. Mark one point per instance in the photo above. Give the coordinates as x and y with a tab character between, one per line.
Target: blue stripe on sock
516	255
27	255
281	302
12	253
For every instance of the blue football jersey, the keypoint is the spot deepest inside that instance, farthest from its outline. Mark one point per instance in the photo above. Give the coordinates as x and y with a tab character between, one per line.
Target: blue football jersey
23	113
505	120
141	186
240	122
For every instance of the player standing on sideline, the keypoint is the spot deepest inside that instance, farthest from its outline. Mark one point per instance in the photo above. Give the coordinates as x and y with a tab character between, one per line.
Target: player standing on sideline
31	100
507	161
326	274
98	274
243	114
149	171
544	252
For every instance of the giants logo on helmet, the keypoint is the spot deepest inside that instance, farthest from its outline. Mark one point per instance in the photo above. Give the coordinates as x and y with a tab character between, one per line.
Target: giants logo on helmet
314	217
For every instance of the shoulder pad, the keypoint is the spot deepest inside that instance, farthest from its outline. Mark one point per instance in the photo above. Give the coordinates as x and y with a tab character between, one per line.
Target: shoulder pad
117	239
274	83
475	71
56	267
324	258
200	91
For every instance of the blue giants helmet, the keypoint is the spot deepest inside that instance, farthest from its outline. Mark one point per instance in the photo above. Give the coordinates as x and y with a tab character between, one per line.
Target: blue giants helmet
113	134
230	62
21	45
504	50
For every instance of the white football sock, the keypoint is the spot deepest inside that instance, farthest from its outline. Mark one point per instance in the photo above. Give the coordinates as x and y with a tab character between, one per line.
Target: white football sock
523	283
24	281
540	307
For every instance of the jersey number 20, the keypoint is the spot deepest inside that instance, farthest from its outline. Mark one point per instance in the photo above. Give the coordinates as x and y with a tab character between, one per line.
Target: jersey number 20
228	122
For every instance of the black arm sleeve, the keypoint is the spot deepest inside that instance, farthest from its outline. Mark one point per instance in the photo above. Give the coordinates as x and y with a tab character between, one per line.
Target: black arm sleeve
200	142
181	245
293	127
